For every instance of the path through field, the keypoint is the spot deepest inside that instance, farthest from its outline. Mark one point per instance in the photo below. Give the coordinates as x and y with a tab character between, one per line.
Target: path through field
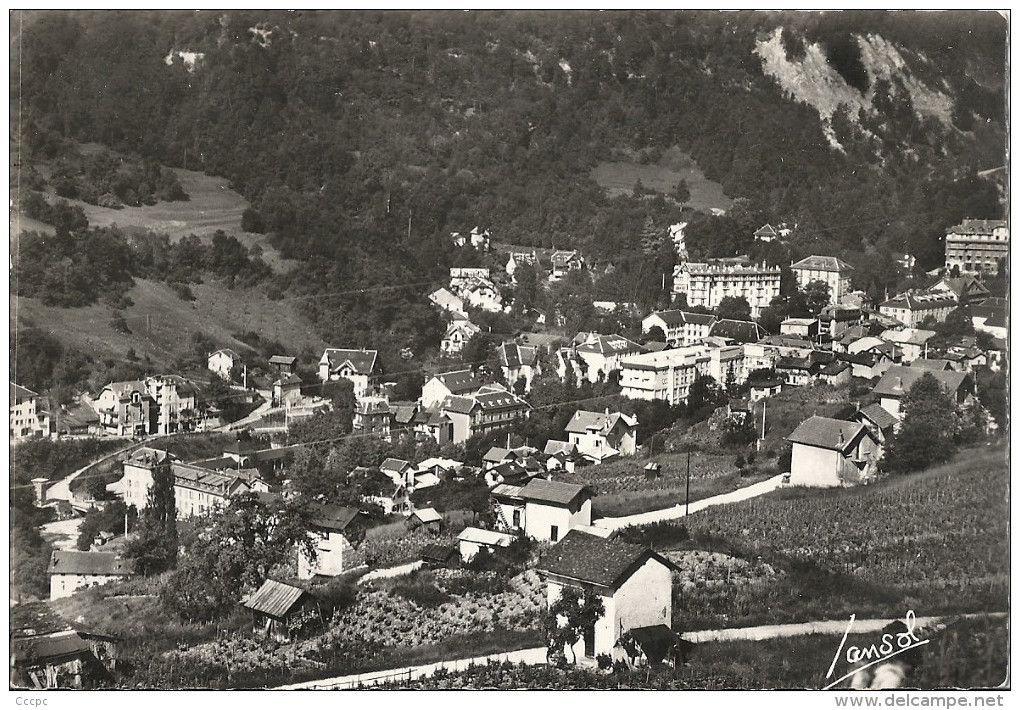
61	490
679	510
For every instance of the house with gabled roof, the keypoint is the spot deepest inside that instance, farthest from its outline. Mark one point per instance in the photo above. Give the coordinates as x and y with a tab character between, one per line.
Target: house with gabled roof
766	234
127	409
222	362
71	570
867	364
358	366
490	407
634	582
283	363
737	331
912	342
445	384
332	529
201	491
602	435
447	300
433	424
287	390
601	354
563	262
457	335
27	418
471	541
542	509
833	452
832	271
680	327
399	471
518	362
279	609
912	308
372	416
898	380
882	422
965	289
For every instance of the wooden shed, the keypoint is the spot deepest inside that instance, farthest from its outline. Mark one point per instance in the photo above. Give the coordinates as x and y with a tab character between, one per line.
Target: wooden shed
281	609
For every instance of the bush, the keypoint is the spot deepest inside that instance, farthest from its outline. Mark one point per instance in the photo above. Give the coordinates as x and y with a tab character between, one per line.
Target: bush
421	589
183	291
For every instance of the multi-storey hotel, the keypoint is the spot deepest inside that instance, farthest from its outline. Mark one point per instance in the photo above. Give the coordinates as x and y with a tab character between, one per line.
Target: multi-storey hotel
706	284
977	245
828	269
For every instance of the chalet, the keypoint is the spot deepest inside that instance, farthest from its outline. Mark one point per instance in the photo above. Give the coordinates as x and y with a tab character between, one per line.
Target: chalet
881	422
222	362
518	362
280	609
898	380
832	452
282	364
737	331
399	471
70	570
563	262
458	333
491	407
447	301
911	309
26	418
867	364
358	366
544	510
443	385
680	327
287	390
472	540
911	341
836	373
965	289
634	582
372	416
331	529
764	389
599	435
482	294
427	519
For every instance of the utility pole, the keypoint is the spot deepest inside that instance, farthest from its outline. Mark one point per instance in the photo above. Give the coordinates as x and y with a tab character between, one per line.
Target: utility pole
687	510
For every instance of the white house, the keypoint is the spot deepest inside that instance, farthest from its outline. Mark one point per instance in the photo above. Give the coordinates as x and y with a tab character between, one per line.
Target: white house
519	362
458	333
222	362
441	386
634	582
358	366
679	327
71	570
447	301
544	510
329	527
26	419
482	294
833	452
600	435
898	380
913	342
138	474
833	272
602	354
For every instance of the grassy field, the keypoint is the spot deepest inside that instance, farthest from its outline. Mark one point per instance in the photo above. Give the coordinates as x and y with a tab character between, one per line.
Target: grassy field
633	502
161	323
618	178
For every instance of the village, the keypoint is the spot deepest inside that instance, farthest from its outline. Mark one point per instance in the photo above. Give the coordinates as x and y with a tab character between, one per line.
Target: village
529	454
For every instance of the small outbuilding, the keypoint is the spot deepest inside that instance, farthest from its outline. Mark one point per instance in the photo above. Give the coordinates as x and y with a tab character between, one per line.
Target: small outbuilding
281	609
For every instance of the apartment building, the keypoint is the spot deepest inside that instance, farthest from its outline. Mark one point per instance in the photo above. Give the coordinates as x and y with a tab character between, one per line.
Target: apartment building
707	284
976	246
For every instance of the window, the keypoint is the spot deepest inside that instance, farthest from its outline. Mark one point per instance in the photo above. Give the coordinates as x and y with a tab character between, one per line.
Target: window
554	533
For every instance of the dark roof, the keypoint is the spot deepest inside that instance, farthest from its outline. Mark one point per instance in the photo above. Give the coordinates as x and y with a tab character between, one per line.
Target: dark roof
699	318
933	364
459	381
282	360
669	317
35	619
439	553
898	380
224	463
288	379
878	414
867	358
98	563
976	226
512	355
275	599
19	393
743	331
794	363
919	301
595	560
556	492
363	361
403	412
826	433
331	517
834	368
40	649
655	641
822	263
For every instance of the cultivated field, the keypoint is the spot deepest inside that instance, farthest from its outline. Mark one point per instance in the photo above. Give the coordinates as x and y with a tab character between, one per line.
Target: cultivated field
619	177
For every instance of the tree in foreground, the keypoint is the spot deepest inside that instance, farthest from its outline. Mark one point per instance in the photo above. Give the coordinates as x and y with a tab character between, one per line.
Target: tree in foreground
931	425
569	617
154	548
734	307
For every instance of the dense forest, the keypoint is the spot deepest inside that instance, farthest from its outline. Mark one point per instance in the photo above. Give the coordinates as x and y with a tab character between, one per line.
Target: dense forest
362	139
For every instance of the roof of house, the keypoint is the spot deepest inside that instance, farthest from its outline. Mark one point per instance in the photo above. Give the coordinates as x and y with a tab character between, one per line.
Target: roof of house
699	318
363	361
506	490
655	641
19	393
459	381
220	463
599	422
95	563
462	325
439	462
933	364
743	331
496	454
485	537
919	301
282	360
398	465
428	515
438	553
608	345
148	456
331	517
48	648
822	263
670	318
497	398
562	258
868	358
794	363
288	379
976	226
826	433
596	560
512	355
908	336
275	599
228	352
965	286
554	446
123	390
426	480
372	405
834	368
878	414
555	492
766	231
898	380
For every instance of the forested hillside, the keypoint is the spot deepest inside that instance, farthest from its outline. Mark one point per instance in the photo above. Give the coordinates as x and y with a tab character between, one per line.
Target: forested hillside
362	139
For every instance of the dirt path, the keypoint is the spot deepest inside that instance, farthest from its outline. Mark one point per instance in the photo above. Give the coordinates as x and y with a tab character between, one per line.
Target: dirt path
61	490
679	510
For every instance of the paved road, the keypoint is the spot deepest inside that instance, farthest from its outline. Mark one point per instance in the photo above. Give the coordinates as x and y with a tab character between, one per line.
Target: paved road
678	511
61	490
255	415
